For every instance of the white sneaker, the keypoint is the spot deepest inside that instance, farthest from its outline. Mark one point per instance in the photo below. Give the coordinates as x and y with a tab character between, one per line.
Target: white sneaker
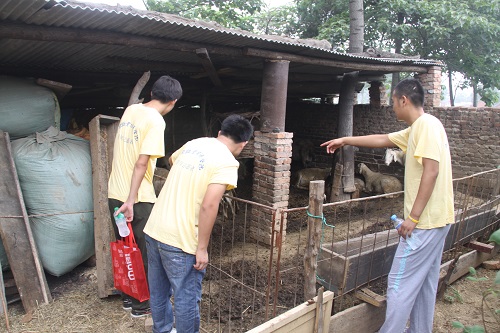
173	330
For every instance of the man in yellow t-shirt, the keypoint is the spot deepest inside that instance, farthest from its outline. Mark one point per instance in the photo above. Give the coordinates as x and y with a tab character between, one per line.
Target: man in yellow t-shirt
428	209
179	227
138	143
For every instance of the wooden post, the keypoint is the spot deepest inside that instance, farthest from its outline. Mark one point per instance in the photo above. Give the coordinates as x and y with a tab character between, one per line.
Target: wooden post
16	234
273	99
136	92
318	322
314	223
102	137
3	300
345	128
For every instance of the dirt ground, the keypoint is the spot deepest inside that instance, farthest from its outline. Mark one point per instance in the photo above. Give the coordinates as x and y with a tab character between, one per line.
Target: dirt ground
76	307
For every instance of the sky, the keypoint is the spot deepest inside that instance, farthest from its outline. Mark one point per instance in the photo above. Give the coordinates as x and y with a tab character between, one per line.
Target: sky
140	5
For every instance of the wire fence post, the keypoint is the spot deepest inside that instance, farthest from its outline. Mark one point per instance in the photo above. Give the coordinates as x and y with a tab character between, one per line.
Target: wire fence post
314	224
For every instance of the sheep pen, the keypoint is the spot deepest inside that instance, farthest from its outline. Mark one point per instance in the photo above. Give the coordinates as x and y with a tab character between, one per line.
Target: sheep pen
234	297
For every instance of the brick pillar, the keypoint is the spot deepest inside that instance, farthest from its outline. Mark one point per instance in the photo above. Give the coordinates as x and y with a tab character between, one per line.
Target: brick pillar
271	184
431	81
377	94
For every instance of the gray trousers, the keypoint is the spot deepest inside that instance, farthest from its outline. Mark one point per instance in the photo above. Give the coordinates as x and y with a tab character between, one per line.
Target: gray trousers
412	283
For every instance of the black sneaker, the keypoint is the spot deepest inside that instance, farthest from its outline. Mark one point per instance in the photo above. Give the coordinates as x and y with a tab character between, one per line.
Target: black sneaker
137	313
127	304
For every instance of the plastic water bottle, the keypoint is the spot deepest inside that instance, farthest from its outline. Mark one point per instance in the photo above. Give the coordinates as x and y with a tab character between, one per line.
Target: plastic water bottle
121	223
413	240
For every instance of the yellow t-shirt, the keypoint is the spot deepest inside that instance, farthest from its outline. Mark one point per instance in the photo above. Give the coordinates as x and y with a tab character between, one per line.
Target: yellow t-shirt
141	131
200	162
427	138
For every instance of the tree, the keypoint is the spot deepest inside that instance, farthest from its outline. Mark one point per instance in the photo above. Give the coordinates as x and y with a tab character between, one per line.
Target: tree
228	13
356	27
281	21
324	19
461	33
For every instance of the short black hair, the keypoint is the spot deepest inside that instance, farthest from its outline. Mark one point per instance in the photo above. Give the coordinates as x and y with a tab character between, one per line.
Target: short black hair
411	88
166	89
237	128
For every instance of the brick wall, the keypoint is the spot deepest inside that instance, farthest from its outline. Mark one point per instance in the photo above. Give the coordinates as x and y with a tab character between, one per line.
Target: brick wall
271	183
473	133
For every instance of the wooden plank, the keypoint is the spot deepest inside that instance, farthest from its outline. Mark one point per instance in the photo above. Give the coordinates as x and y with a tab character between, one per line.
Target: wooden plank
370	297
470	259
314	224
346	265
102	136
16	234
60	89
299	319
367	318
481	247
209	67
472	225
358	319
3	301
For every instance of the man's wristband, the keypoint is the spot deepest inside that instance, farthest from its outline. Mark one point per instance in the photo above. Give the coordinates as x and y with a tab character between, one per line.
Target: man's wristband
412	219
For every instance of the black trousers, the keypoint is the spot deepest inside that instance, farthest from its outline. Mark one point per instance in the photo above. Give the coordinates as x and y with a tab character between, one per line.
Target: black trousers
142	210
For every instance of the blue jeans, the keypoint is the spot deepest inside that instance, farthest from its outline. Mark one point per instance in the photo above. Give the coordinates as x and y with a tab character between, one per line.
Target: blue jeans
171	270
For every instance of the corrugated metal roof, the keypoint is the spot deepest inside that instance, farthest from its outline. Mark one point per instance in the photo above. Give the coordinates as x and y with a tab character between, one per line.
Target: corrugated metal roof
83	43
126	19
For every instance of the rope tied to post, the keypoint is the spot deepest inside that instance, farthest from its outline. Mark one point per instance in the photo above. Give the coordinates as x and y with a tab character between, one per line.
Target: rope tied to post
323	224
322	217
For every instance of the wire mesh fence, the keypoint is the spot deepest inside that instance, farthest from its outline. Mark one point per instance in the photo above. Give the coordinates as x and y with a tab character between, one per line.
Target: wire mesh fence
248	282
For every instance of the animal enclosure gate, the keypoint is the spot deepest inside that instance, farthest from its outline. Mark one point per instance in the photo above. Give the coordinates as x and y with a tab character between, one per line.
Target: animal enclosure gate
240	288
248	283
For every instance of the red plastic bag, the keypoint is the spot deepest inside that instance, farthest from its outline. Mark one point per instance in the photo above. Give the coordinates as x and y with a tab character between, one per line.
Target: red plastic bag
128	268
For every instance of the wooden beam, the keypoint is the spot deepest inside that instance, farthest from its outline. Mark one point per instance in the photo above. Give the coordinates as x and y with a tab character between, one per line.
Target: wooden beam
3	301
314	223
299	319
370	297
209	67
71	35
102	136
368	318
60	89
348	65
481	247
361	318
16	234
470	259
142	65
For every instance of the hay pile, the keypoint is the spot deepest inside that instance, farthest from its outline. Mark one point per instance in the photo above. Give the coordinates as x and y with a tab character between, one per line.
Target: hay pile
75	308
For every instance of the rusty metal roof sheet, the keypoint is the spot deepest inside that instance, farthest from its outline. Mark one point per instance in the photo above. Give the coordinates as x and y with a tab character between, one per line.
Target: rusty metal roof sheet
91	45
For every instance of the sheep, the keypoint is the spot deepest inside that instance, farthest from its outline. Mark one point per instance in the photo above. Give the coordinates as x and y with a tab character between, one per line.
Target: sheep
395	155
360	186
304	176
378	183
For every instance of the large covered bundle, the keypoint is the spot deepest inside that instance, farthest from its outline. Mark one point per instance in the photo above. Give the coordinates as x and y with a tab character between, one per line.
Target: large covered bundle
55	174
26	107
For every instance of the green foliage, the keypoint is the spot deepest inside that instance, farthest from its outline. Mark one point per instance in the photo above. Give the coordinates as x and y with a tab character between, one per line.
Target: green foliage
489	96
280	21
468	329
495	237
228	13
488	295
455	296
464	34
